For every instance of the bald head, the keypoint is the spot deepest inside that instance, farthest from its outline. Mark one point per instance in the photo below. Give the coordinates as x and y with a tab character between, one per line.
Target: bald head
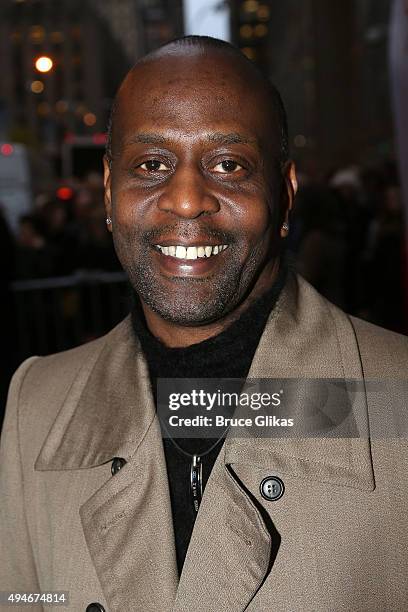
200	62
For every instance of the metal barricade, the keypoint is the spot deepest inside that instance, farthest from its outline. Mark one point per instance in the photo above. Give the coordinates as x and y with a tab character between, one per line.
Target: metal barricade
54	314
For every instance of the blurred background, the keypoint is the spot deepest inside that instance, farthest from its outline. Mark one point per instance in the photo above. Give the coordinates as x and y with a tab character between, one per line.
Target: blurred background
342	69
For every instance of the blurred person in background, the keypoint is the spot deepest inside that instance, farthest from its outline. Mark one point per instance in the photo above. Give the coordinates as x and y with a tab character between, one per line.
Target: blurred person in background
95	250
35	258
322	244
384	263
346	187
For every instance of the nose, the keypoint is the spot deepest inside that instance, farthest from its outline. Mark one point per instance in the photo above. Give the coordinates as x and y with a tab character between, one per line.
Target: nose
186	195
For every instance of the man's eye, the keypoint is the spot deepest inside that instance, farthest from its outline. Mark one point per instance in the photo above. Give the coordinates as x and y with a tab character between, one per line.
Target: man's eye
227	166
153	165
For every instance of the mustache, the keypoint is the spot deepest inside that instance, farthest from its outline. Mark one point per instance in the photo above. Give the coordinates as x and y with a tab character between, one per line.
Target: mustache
188	232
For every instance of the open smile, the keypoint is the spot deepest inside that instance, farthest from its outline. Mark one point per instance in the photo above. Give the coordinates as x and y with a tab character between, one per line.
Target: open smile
191	252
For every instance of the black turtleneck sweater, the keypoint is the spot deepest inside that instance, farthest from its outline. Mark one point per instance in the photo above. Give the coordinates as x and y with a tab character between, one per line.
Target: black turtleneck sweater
227	355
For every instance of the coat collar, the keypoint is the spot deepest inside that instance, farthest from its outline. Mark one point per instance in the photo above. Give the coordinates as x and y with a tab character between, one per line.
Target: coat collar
307	338
108	409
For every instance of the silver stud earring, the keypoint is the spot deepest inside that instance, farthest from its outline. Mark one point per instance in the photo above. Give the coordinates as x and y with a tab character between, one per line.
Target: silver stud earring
108	220
285	226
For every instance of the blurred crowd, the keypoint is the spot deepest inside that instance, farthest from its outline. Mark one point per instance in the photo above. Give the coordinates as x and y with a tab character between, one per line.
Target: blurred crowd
349	242
346	235
64	233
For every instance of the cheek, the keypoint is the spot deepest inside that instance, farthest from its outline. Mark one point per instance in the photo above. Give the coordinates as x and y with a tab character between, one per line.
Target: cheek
126	226
255	220
129	210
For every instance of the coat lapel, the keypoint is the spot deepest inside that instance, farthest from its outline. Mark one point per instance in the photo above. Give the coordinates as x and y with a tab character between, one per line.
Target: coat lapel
230	549
127	523
128	529
234	541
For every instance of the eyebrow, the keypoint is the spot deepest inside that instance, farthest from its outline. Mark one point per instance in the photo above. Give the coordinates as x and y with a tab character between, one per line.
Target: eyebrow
147	138
231	138
216	137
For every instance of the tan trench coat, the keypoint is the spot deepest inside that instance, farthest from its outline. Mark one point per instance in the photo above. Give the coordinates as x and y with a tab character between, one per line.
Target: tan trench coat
337	540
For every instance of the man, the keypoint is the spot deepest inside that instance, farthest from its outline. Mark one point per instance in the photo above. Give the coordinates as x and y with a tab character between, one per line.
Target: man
199	190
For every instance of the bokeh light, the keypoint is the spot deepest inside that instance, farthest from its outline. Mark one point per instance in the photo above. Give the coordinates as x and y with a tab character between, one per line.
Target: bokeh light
37	87
65	193
61	106
89	119
263	12
245	31
7	149
250	6
261	30
37	33
44	63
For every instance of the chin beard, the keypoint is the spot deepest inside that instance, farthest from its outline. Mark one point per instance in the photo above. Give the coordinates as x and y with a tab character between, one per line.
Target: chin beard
191	302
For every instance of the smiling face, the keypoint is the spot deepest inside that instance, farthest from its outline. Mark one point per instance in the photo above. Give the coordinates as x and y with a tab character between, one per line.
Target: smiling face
195	191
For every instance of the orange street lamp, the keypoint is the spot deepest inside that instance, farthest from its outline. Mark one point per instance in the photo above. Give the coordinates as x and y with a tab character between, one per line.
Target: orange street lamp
44	63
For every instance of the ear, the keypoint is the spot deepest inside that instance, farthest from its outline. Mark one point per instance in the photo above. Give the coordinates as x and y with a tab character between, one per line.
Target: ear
107	185
290	189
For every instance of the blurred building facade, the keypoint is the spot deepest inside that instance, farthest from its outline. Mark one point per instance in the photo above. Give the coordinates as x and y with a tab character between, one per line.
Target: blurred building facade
74	94
140	26
329	60
92	44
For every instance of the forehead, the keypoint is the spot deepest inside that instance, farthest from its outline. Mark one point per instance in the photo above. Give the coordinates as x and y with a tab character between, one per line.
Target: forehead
193	94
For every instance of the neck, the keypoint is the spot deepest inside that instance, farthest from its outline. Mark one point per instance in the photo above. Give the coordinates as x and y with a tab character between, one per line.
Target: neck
174	335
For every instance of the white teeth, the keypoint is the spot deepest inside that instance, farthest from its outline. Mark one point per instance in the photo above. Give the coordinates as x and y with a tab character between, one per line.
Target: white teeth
191	252
181	252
